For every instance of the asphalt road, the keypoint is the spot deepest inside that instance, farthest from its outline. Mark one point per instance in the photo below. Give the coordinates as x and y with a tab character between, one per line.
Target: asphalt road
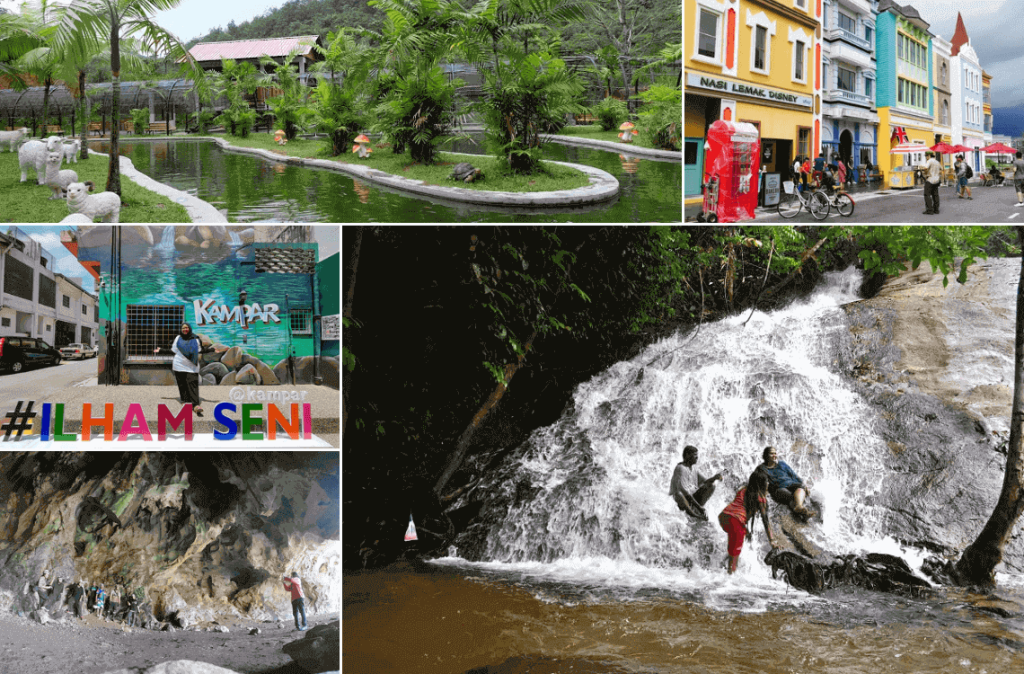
991	205
40	382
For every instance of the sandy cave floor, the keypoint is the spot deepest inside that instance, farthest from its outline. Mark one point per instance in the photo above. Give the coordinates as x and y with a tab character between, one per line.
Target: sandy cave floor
94	646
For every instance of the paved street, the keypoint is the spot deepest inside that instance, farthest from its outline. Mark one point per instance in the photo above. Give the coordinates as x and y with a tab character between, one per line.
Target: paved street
991	205
41	382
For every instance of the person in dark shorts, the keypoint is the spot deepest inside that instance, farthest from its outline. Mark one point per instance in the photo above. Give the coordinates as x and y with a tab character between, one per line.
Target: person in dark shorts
294	586
785	486
684	478
78	599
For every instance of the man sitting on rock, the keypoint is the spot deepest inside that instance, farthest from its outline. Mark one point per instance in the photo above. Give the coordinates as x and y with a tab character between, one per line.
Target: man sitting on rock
294	585
784	485
685	477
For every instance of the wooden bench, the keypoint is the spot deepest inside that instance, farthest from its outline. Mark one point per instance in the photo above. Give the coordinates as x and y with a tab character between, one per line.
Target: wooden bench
158	127
97	127
586	118
52	130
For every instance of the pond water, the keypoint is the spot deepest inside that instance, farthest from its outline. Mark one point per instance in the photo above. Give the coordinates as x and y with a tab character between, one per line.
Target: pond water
249	188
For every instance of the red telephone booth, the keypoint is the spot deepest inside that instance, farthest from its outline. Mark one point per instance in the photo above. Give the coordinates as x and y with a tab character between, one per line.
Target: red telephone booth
732	162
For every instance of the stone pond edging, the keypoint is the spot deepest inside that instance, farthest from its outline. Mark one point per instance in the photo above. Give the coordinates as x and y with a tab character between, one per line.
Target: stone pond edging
617	147
603	185
200	211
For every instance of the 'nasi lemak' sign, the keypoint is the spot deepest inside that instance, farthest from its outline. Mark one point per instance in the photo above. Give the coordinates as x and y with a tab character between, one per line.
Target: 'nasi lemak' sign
207	312
49	423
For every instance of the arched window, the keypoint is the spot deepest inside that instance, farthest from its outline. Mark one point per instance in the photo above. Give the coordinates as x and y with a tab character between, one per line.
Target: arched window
945	113
944	74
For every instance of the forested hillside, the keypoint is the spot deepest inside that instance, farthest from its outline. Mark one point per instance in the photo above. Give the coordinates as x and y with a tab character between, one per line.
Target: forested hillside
646	26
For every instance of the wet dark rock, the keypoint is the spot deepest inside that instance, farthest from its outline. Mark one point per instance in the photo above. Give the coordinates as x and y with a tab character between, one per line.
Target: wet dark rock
874	571
319	650
255	630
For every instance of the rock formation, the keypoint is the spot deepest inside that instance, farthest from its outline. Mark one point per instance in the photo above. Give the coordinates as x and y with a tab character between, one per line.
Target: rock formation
205	535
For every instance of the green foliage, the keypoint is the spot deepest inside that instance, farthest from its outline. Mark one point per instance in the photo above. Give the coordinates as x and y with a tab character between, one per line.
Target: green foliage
610	113
289	107
888	248
661	119
140	119
203	120
337	109
521	97
418	112
235	81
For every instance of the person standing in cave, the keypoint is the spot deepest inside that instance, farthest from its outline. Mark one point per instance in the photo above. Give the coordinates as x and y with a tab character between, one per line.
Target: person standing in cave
294	585
78	598
186	348
114	604
57	596
101	596
42	589
131	605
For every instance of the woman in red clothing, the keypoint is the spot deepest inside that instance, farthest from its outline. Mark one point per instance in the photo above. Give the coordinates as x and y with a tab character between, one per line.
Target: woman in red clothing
738	517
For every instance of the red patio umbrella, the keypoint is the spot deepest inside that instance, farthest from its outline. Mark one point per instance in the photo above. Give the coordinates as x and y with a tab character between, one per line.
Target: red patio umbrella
999	148
943	148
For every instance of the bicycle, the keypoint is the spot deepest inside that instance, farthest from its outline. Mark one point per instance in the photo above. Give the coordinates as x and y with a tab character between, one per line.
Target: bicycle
793	200
841	201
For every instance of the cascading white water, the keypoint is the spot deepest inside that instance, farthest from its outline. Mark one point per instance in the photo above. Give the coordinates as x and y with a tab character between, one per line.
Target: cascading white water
591	490
234	238
166	239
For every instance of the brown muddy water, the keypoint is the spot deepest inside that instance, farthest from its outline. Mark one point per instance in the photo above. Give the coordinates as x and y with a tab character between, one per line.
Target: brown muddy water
434	620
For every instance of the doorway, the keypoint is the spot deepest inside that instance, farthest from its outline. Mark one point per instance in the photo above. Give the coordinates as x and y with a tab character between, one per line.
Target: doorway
693	163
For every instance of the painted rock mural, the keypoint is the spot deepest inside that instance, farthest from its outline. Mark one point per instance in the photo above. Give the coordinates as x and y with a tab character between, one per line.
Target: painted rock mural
254	301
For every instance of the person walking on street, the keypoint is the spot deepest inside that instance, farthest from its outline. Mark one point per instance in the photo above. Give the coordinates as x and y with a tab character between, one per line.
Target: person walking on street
932	178
1018	177
963	174
294	586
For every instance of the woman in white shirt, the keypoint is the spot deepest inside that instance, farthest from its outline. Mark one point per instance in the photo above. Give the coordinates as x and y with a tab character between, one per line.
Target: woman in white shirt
186	348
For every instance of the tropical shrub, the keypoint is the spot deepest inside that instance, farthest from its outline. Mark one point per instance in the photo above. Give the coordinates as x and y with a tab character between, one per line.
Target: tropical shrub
522	94
610	113
289	109
336	110
419	112
140	119
661	119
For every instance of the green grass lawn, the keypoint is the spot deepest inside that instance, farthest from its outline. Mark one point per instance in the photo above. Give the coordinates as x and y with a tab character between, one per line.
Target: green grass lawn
594	132
29	202
497	178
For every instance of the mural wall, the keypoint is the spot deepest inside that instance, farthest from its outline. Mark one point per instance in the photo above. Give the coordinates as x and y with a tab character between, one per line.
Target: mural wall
253	302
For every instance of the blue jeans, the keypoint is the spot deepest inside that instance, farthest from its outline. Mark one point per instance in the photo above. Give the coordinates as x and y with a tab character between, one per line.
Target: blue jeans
299	606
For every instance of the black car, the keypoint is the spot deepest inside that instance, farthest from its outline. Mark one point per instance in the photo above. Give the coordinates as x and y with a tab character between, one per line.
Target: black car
17	352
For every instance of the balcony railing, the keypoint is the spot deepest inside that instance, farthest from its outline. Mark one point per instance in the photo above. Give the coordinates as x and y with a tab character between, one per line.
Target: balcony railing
842	95
852	38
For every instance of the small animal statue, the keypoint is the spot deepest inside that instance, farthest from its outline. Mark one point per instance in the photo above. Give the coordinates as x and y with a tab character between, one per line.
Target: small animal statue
92	206
33	155
71	150
465	172
13	137
58	180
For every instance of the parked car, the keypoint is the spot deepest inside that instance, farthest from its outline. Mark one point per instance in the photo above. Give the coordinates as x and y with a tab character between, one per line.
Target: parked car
73	351
18	352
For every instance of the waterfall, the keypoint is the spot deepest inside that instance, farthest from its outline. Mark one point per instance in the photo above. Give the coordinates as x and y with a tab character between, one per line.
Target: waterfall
166	239
234	238
592	488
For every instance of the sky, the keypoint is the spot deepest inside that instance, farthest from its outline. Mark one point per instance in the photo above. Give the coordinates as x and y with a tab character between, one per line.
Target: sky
992	27
193	18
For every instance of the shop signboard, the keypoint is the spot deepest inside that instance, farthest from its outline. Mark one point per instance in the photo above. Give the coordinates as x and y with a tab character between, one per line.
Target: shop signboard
772	188
728	87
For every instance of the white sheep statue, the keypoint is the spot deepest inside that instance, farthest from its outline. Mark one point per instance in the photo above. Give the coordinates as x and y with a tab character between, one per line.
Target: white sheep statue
76	217
33	155
13	137
71	150
56	179
92	206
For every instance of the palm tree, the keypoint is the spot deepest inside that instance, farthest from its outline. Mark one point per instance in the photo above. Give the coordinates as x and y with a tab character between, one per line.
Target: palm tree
86	20
17	38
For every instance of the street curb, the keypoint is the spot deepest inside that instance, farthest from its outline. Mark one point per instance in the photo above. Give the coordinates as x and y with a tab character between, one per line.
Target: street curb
603	185
198	210
666	155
